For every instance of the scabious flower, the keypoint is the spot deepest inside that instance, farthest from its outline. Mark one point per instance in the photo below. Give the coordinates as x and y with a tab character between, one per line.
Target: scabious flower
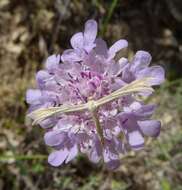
100	115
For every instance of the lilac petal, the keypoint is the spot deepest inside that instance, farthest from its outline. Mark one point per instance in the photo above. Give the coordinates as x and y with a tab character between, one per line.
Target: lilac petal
110	123
89	47
94	64
96	151
41	77
155	72
125	101
135	105
33	96
101	47
72	153
128	121
108	155
51	85
70	56
52	62
90	32
77	40
115	69
145	111
111	160
135	140
33	107
113	164
127	75
118	145
117	83
141	60
150	127
47	123
94	156
49	97
56	158
82	138
54	138
117	46
123	62
66	121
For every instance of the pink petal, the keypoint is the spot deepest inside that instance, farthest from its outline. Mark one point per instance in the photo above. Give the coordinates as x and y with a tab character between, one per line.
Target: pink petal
77	40
150	127
56	158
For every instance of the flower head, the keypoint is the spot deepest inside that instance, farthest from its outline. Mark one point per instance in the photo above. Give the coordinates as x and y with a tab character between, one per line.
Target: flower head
85	100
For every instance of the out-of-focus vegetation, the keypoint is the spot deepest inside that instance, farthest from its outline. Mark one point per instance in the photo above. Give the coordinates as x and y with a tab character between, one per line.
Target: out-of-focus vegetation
31	30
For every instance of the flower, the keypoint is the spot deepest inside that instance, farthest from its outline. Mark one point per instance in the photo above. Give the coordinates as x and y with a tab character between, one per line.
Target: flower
85	100
138	68
135	123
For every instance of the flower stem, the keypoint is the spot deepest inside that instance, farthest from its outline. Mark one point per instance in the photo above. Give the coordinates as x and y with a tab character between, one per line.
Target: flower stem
98	126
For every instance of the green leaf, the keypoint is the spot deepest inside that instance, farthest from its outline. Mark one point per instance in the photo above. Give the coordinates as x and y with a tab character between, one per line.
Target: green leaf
165	185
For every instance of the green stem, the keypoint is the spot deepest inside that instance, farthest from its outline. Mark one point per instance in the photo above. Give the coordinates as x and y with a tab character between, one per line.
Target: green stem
108	17
22	157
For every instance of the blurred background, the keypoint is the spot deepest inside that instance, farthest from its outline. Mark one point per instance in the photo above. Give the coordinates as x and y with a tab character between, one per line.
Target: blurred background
31	30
